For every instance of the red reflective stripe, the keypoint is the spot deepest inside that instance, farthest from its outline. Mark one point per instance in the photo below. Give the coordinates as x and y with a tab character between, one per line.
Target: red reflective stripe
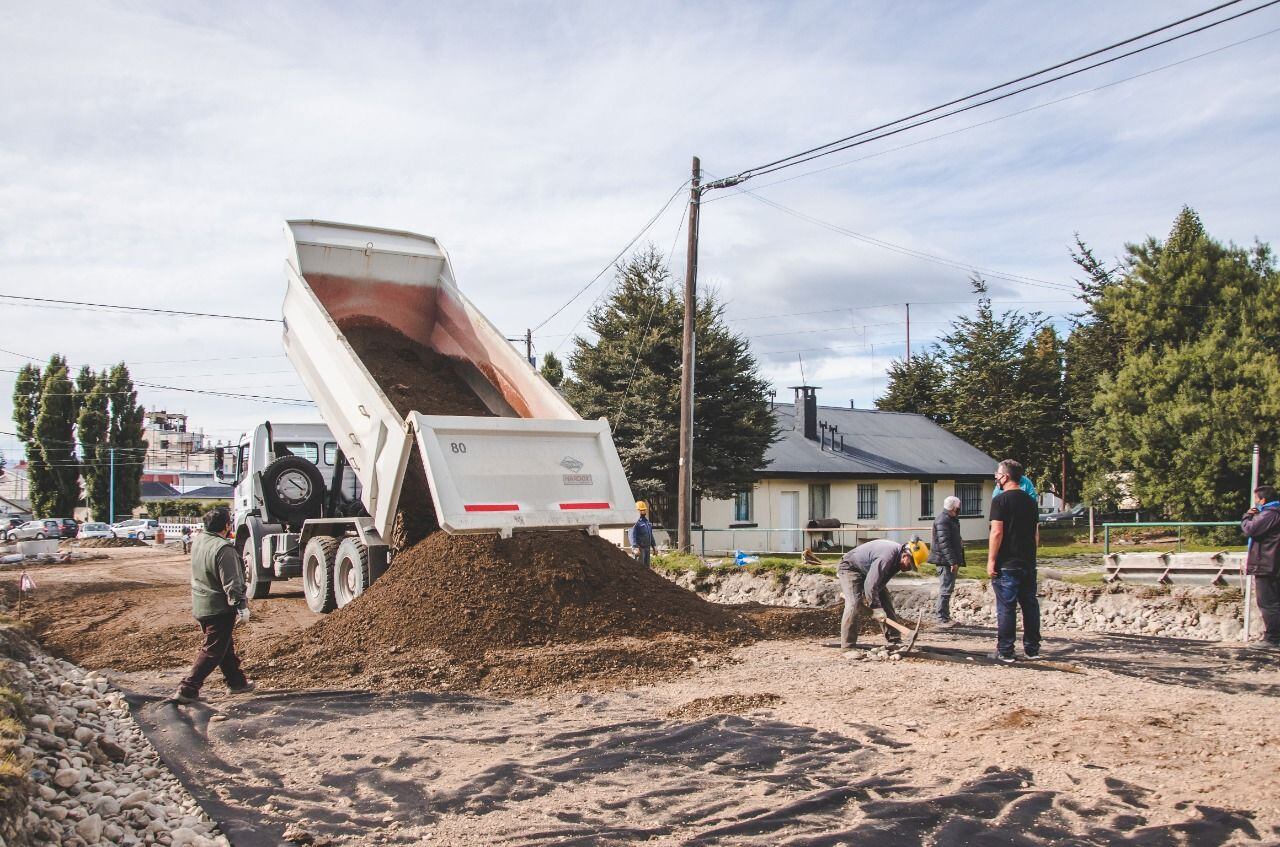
492	507
584	505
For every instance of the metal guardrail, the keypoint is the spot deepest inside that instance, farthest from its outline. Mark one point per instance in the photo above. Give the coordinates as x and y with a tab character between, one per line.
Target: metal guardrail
1106	529
1222	568
772	540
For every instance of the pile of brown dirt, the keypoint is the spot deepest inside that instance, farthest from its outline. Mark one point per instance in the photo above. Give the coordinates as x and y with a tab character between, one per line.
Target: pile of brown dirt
537	610
109	542
415	378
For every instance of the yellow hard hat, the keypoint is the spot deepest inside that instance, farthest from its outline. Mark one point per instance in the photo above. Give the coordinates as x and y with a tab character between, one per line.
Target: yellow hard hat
642	506
919	551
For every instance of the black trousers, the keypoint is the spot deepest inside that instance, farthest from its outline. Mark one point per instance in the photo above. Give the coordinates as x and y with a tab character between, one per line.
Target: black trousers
1267	591
218	651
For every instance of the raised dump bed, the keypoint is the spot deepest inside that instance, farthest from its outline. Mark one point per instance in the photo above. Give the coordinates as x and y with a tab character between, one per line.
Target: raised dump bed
398	362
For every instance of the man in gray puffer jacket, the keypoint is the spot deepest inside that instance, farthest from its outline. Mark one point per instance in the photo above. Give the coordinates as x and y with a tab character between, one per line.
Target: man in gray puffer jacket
947	554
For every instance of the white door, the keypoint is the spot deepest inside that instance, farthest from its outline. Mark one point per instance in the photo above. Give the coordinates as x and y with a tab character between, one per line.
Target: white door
789	541
892	501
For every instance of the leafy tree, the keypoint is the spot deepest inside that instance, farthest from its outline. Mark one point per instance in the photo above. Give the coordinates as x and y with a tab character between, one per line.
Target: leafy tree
631	374
54	471
552	371
2	465
125	433
26	401
91	427
917	386
1196	383
1092	349
988	401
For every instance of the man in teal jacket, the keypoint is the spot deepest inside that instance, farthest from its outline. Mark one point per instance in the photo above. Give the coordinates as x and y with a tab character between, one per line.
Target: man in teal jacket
218	603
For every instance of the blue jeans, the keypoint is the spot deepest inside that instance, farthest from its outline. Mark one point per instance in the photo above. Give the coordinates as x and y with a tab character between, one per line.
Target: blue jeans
946	585
1016	587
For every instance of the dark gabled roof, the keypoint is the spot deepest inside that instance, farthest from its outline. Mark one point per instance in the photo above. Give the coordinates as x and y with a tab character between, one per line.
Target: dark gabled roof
875	444
160	490
209	492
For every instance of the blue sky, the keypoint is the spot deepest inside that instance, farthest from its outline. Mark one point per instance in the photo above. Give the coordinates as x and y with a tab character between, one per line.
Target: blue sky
150	154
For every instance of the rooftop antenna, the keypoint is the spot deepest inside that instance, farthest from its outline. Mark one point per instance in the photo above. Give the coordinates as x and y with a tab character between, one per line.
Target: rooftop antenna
803	381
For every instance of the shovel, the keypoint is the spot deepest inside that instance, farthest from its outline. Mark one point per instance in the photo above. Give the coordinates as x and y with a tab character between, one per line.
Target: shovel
905	631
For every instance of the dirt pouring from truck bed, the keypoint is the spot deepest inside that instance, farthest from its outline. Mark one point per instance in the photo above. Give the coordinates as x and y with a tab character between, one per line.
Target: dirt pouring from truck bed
539	611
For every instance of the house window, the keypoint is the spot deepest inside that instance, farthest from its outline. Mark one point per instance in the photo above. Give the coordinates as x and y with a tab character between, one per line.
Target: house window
819	501
970	494
926	499
868	501
742	506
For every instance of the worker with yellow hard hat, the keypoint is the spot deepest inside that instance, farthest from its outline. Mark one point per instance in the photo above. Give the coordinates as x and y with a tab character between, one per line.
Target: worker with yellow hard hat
864	574
641	535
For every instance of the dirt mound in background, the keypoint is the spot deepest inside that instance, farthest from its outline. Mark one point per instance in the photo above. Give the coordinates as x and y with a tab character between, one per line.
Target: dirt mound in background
109	542
415	378
535	610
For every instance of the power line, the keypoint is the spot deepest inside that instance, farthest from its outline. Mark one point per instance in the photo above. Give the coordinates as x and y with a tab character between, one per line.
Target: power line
990	121
116	307
622	252
893	127
261	398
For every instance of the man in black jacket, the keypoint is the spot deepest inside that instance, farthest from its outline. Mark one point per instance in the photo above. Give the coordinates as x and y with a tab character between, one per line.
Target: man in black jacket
1261	525
947	555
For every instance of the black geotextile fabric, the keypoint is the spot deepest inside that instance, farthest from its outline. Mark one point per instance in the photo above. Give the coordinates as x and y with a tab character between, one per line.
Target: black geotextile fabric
389	768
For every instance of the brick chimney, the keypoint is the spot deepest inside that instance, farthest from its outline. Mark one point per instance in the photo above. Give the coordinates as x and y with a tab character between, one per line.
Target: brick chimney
807	410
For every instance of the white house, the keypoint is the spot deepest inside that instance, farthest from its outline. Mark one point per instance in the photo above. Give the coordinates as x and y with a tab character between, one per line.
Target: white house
839	476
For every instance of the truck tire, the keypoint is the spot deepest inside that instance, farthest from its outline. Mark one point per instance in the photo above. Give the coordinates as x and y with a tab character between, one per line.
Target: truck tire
350	571
255	587
312	498
317	573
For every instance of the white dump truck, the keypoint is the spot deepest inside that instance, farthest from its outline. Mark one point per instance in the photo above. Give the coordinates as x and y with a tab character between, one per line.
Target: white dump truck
319	500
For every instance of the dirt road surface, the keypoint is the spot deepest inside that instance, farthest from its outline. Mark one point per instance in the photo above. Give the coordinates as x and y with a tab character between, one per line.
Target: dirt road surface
1108	740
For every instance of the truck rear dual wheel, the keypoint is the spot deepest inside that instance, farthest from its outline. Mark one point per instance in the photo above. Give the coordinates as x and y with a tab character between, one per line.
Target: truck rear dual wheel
255	587
351	571
317	573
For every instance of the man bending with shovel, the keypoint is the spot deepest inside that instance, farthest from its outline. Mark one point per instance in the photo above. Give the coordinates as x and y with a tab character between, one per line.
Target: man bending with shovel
864	574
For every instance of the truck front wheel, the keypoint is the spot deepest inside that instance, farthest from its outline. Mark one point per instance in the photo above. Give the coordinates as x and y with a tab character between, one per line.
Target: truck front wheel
351	571
317	573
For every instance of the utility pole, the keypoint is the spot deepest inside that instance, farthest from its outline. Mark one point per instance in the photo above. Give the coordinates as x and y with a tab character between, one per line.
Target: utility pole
684	499
908	334
528	346
112	509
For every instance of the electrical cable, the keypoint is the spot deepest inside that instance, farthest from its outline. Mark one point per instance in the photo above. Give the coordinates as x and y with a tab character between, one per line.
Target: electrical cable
142	309
1005	117
892	128
622	252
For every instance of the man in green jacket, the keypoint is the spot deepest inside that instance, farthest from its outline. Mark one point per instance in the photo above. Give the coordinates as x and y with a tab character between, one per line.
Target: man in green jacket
218	603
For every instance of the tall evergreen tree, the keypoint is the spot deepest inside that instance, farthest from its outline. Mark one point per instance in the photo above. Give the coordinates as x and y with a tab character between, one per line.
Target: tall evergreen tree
1196	384
918	386
125	433
1040	383
54	471
91	427
631	375
552	371
26	401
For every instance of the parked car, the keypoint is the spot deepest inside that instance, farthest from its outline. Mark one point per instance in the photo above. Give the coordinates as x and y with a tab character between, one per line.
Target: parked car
35	530
67	527
1068	517
12	523
96	530
139	528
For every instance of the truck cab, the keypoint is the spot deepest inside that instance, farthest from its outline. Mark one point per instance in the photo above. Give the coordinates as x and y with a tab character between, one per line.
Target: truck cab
289	480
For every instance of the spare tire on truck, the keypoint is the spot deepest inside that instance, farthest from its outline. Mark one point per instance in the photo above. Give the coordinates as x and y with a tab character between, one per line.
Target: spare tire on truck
293	489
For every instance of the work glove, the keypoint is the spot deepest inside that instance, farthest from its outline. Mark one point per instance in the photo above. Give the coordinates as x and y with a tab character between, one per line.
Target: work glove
877	614
242	614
